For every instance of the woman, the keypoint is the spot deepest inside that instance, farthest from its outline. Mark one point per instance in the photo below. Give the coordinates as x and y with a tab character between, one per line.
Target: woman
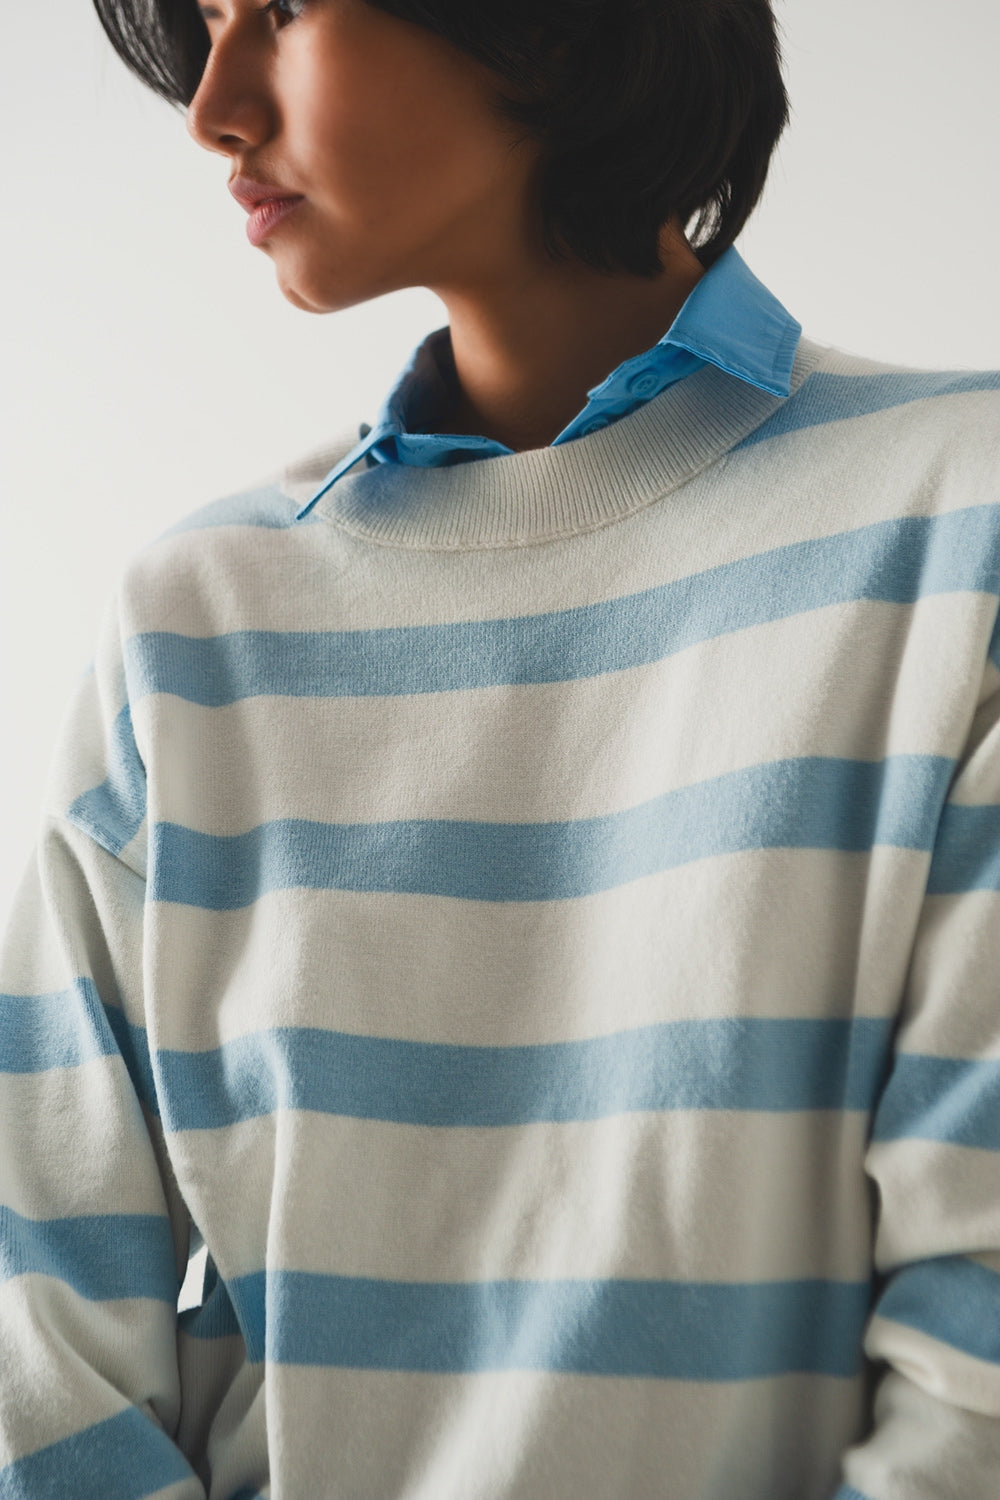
520	891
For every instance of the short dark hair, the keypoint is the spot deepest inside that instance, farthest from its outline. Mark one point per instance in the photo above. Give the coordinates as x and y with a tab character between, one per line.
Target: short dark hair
644	110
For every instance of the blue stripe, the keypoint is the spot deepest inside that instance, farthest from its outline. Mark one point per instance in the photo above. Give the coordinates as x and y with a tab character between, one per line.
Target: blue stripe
993	651
731	1064
61	1029
658	1330
112	813
127	1457
133	1044
806	803
824	398
103	1257
67	1028
954	1300
941	1099
847	1493
216	1318
896	561
967	855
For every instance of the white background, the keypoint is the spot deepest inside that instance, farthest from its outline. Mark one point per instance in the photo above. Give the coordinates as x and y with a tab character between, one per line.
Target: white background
150	364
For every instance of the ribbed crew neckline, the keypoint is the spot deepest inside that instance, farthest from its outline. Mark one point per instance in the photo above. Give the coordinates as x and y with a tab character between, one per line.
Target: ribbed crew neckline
545	494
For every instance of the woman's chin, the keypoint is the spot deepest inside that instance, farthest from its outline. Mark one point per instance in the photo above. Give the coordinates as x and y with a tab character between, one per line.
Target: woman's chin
311	292
295	297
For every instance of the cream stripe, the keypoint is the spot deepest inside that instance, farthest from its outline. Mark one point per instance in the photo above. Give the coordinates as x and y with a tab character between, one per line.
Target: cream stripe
51	1168
529	1436
741	506
934	1199
777	933
958	944
677	1196
78	1363
939	1369
919	1438
582	748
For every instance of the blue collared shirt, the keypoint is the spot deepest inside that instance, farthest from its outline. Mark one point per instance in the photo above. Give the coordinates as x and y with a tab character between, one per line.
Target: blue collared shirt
730	319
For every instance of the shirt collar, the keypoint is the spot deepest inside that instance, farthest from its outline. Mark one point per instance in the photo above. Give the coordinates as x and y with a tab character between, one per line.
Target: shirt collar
730	319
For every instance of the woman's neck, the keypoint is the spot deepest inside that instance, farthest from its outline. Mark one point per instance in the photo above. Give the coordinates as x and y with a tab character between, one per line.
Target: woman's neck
526	357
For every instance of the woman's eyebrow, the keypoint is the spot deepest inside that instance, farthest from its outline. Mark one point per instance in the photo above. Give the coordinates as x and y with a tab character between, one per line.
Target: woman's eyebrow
218	13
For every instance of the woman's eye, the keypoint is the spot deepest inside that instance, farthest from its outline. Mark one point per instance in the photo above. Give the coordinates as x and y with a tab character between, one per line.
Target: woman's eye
288	10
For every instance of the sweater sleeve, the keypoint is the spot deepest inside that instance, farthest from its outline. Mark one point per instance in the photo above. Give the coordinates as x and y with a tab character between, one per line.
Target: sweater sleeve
93	1234
934	1159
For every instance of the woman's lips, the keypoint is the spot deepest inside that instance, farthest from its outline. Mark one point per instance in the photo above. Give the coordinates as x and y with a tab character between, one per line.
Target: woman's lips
266	215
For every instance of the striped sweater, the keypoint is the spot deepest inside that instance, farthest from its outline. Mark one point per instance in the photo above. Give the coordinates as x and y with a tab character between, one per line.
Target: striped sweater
535	922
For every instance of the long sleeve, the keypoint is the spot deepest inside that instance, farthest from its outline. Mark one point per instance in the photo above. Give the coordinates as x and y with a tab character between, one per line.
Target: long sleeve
564	963
934	1159
93	1235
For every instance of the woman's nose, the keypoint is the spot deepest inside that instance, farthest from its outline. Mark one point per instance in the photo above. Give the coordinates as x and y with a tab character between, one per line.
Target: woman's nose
231	108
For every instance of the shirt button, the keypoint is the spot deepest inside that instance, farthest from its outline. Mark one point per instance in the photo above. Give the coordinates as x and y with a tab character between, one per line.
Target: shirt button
594	426
644	383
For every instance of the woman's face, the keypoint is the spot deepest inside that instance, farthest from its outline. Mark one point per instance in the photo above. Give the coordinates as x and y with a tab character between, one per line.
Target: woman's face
408	177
